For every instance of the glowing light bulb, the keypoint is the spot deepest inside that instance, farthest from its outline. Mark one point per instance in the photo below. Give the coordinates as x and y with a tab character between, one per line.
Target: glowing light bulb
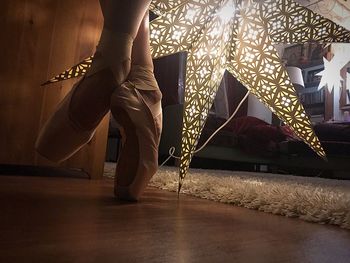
191	14
227	12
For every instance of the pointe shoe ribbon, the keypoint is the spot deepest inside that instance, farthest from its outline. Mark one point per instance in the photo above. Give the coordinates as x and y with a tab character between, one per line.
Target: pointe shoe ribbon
114	49
142	78
74	122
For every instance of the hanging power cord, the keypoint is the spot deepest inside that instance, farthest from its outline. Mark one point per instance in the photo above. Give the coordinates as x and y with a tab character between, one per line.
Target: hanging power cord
172	149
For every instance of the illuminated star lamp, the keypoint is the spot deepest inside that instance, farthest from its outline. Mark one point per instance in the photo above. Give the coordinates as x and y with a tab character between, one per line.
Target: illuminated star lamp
237	36
330	76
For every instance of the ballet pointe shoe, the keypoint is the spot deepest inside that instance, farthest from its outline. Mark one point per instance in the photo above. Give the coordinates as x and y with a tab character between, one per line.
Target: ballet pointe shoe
136	106
74	122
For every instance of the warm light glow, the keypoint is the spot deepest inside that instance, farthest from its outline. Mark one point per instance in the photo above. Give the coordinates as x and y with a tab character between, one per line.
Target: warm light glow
191	14
241	40
227	12
219	36
330	75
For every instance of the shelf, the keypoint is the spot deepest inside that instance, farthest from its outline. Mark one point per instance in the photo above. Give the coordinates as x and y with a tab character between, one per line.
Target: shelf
313	98
314	105
310	89
311	85
346	107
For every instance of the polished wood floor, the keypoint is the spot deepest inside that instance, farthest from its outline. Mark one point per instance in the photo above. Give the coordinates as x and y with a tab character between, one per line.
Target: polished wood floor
46	219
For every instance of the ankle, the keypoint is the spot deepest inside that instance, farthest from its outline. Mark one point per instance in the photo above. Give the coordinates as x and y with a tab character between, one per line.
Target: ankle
113	42
113	52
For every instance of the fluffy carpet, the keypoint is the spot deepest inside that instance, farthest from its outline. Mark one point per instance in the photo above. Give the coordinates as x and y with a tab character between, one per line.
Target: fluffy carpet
323	201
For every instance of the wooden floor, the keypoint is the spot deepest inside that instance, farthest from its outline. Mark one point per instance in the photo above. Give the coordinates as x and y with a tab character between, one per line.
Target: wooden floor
77	220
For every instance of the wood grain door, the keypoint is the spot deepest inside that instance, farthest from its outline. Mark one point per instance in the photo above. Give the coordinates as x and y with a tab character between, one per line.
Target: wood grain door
40	38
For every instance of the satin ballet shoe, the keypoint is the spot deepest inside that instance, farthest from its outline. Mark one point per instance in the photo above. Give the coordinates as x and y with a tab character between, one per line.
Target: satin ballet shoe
136	106
74	122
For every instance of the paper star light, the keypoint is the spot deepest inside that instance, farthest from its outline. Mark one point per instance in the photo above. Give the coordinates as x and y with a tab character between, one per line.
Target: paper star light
237	36
74	72
330	76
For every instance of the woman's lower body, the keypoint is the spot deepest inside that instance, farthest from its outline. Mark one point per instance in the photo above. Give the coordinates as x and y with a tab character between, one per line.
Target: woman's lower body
120	79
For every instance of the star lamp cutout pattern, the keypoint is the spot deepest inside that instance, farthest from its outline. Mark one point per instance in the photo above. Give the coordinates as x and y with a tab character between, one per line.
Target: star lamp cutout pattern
238	36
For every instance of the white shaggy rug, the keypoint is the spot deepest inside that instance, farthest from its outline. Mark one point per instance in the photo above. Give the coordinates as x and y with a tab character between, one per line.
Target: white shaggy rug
323	201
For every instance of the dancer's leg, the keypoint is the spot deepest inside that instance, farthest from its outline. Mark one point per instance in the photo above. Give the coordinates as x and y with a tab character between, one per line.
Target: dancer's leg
76	118
120	16
124	15
136	106
141	52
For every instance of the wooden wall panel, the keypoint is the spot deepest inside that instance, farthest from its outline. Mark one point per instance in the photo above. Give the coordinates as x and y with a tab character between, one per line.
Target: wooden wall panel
40	38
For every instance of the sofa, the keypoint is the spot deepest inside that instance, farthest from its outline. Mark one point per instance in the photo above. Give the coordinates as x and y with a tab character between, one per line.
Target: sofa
261	145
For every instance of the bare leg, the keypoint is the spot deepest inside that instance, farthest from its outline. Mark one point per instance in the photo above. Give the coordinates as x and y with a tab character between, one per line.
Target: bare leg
141	53
124	15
